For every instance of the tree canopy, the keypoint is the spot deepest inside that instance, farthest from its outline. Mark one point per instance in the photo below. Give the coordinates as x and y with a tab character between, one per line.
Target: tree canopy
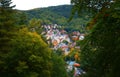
100	49
23	53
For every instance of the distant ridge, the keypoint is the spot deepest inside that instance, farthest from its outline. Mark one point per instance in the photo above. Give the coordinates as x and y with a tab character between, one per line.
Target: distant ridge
63	10
58	15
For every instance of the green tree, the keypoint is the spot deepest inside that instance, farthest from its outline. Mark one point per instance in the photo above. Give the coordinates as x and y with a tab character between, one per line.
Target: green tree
100	49
23	53
94	6
6	14
35	25
21	18
29	56
6	24
58	69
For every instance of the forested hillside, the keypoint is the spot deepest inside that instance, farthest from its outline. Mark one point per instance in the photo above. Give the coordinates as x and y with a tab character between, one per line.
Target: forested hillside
59	15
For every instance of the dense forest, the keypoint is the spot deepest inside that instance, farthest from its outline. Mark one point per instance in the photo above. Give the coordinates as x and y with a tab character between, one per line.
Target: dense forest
60	15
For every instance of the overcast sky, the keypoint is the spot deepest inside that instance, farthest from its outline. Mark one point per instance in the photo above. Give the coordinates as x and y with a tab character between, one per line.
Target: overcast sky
30	4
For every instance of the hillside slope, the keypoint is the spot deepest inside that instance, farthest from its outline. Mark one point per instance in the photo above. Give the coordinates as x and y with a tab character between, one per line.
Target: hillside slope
59	15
